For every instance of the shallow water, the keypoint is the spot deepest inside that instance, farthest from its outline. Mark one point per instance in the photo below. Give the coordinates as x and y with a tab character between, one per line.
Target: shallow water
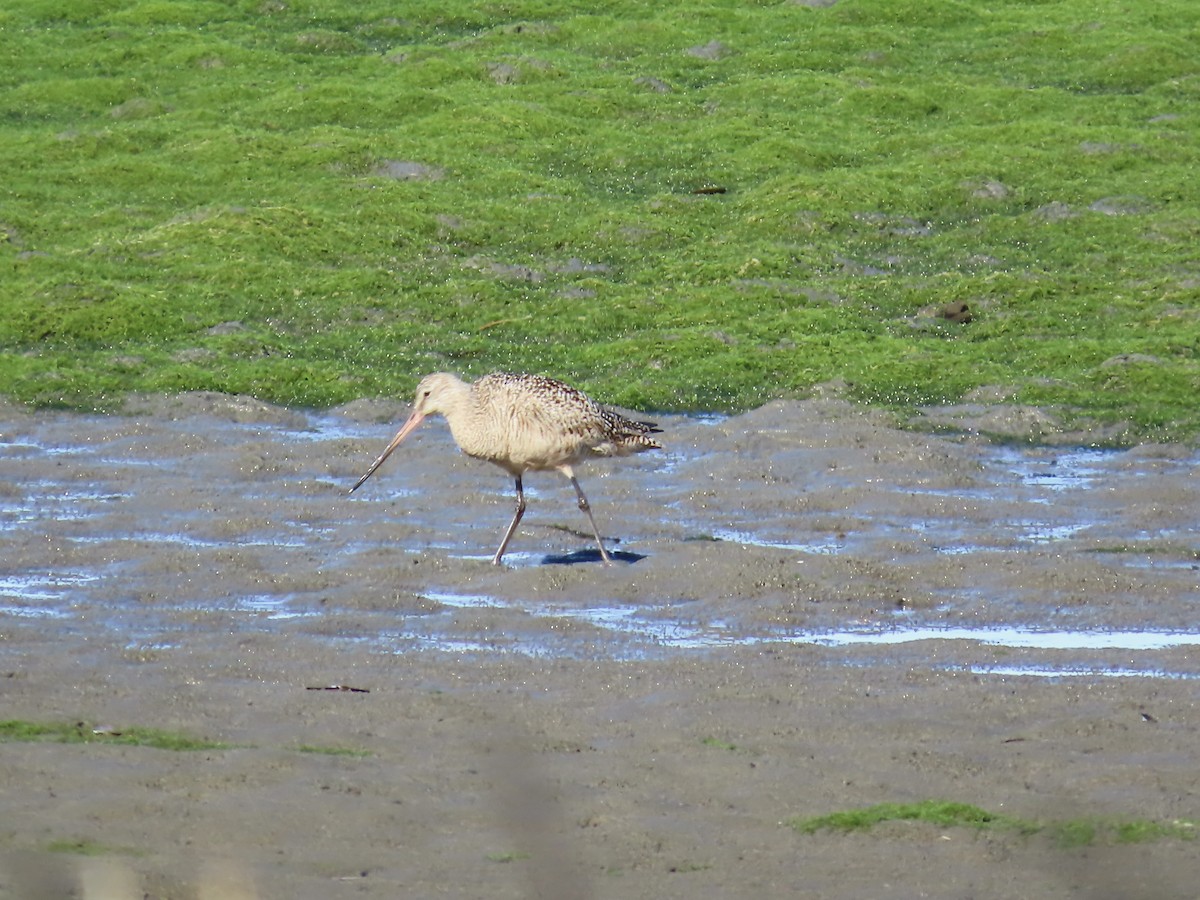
138	530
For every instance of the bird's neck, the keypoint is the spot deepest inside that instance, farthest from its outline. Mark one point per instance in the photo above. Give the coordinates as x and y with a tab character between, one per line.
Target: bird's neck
458	406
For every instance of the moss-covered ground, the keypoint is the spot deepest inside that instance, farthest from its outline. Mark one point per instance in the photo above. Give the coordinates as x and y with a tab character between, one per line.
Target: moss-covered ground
700	205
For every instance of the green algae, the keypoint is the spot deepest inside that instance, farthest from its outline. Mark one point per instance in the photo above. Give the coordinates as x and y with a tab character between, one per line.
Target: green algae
949	814
18	730
699	208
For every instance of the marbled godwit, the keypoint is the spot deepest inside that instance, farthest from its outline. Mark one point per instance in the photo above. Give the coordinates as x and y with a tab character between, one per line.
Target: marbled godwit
524	423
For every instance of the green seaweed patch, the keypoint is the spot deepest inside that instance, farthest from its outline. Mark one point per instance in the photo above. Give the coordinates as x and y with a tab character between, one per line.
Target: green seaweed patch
1080	832
18	730
942	813
701	207
332	751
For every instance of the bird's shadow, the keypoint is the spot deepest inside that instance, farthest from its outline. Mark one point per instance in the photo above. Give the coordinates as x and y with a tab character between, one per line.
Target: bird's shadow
576	557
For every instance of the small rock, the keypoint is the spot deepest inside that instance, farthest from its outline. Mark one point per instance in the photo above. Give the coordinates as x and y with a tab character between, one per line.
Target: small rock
503	270
724	337
711	50
1122	206
193	355
656	85
503	73
988	189
576	266
901	226
1056	211
226	328
408	171
576	293
1127	359
137	108
854	267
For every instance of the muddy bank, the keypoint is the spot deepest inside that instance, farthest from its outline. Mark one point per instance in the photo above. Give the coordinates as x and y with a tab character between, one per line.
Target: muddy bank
811	611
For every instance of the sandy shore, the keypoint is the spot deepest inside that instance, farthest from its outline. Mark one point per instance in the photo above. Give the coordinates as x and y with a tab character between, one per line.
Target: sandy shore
812	611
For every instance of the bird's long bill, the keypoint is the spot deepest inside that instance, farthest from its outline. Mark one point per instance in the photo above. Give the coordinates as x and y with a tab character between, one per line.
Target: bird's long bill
413	421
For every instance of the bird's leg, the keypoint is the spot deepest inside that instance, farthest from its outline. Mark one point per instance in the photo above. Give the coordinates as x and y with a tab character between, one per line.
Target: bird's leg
513	525
583	504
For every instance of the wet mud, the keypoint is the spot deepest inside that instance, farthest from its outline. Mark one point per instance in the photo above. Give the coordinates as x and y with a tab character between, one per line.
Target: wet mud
809	610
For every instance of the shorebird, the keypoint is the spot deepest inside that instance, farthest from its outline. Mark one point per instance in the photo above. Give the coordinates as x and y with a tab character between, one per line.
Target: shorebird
524	423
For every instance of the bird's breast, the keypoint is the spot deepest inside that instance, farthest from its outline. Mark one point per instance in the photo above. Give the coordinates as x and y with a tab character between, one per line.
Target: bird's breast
519	442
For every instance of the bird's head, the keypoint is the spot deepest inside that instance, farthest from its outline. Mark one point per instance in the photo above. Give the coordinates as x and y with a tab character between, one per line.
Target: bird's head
437	393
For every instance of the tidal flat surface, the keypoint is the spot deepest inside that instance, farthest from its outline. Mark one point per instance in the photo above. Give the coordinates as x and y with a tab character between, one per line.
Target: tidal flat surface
798	523
810	611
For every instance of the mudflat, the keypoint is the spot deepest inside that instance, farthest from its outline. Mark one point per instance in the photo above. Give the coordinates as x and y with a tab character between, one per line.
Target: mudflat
810	611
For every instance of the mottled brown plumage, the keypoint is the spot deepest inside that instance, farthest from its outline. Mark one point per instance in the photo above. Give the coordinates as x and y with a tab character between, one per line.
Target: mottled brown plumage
524	423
